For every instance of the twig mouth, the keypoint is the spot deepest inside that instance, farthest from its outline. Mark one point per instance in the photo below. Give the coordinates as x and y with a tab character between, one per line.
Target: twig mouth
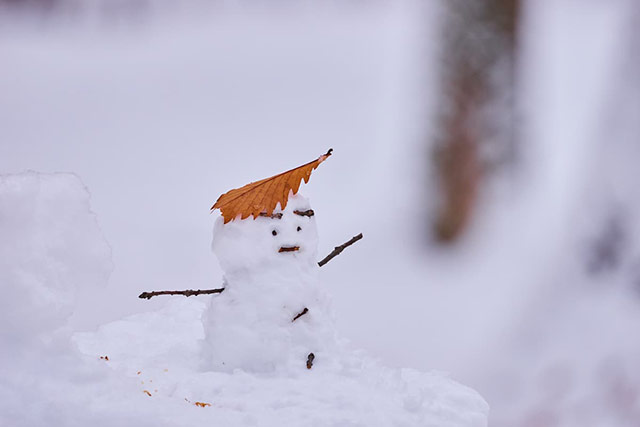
289	249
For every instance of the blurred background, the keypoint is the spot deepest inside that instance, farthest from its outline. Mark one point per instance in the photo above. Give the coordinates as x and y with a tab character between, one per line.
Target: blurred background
488	150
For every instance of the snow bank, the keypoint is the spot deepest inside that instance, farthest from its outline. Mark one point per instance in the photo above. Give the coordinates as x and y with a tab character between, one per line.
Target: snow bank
145	370
160	351
51	246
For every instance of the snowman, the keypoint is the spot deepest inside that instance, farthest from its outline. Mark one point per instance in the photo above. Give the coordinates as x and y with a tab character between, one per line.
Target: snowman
273	315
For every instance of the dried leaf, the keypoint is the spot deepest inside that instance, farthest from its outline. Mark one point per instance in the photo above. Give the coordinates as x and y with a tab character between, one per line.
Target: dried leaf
202	404
262	197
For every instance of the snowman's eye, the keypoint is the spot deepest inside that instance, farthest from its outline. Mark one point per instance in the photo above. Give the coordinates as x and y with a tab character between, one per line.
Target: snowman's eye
299	228
274	232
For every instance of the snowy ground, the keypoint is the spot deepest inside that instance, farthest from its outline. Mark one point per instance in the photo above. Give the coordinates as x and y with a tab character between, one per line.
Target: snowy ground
150	369
165	357
161	117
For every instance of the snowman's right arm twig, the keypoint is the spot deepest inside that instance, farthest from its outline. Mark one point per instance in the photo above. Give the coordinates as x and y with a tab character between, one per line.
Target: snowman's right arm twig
190	292
186	293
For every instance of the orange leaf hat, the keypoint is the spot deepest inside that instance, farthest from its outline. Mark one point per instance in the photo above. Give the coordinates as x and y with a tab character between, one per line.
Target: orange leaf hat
262	197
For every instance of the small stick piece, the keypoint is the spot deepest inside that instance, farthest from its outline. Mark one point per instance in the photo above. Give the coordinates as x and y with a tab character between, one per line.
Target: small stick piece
308	212
299	315
186	293
310	358
289	249
338	249
273	216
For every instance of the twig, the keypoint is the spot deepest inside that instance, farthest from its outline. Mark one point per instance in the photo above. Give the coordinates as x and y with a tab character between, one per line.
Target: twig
186	293
189	292
308	212
338	249
272	216
310	358
299	315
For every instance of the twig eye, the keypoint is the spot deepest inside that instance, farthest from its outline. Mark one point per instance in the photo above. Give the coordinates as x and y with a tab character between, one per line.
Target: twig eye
274	232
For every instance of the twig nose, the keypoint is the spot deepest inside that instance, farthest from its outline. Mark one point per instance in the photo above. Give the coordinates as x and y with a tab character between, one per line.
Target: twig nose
288	248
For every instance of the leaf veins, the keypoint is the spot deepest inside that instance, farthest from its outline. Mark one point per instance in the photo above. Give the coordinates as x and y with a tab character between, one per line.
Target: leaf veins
262	197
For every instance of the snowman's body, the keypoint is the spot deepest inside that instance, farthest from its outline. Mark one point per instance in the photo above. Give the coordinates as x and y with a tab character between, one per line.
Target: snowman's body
270	266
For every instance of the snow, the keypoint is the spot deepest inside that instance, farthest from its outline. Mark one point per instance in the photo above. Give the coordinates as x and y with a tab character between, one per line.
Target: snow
152	368
161	116
356	392
265	289
51	245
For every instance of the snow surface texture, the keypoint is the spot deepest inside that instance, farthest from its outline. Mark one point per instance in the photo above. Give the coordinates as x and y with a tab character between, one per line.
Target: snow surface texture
52	247
161	351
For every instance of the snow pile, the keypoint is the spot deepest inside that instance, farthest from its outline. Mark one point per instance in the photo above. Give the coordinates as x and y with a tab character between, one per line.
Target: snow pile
161	351
50	247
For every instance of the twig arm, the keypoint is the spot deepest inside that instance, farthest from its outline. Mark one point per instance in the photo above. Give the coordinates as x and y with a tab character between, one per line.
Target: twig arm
186	293
338	249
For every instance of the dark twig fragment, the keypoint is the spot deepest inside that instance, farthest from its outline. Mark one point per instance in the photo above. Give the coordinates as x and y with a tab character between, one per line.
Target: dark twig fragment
289	249
299	315
186	293
310	358
308	212
273	215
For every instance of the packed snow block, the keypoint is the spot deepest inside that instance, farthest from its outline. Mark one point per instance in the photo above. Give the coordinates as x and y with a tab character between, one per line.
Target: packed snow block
51	245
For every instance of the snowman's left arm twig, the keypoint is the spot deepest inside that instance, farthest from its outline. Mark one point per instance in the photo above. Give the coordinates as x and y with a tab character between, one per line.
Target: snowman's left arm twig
190	292
338	249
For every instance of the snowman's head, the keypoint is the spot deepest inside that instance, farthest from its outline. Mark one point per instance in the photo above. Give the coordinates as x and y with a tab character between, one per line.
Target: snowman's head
287	238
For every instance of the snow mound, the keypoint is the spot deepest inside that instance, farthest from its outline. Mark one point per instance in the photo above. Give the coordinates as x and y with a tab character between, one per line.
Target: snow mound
146	370
159	349
51	246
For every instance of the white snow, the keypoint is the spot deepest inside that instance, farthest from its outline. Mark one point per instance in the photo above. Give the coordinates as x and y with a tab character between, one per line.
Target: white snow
250	325
150	369
160	114
358	391
51	246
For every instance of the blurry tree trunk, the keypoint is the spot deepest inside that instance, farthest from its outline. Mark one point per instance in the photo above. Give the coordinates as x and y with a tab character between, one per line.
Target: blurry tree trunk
476	122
